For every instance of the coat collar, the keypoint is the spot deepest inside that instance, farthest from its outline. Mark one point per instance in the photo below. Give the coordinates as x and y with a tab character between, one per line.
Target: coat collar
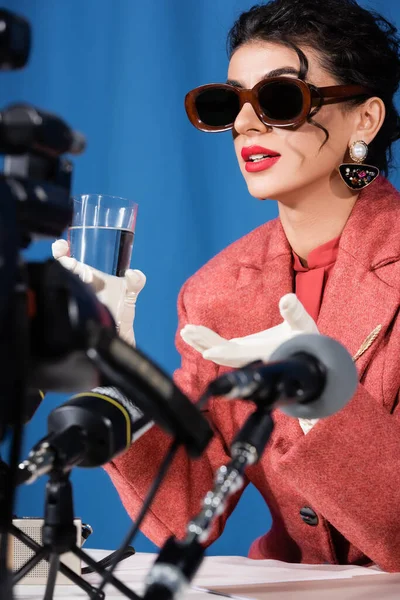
375	215
362	294
371	235
264	245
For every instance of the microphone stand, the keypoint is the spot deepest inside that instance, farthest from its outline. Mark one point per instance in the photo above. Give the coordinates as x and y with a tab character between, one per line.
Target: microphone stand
15	338
59	536
113	359
179	561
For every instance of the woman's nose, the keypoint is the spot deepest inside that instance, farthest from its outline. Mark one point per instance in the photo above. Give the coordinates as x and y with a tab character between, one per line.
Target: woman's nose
247	121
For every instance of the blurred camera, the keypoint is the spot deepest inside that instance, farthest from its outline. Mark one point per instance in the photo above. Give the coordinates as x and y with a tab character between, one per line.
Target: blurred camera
15	41
37	178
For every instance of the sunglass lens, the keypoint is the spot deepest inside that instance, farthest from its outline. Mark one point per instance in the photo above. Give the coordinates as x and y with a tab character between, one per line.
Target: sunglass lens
217	107
281	101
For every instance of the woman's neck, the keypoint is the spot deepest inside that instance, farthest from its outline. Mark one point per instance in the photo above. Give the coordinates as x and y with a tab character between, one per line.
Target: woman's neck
312	217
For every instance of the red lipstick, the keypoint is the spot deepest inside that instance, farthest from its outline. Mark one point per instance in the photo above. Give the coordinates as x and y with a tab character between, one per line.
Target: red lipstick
258	158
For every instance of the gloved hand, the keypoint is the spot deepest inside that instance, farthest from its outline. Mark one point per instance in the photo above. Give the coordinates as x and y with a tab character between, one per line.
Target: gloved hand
238	352
119	294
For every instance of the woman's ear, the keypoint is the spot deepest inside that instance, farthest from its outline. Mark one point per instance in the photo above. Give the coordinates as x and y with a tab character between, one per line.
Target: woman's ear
369	119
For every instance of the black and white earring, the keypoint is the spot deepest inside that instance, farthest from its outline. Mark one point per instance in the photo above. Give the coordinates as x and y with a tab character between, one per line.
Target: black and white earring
358	176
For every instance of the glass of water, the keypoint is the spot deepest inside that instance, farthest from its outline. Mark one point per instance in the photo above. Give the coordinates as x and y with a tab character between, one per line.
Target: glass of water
102	232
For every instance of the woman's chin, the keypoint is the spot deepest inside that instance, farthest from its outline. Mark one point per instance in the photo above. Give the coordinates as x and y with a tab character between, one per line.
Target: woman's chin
276	187
263	191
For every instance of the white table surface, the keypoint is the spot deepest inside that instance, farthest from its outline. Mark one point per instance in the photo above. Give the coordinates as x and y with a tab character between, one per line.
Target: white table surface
246	578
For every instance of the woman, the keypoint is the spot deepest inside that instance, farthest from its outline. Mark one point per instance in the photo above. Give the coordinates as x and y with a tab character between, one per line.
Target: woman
333	487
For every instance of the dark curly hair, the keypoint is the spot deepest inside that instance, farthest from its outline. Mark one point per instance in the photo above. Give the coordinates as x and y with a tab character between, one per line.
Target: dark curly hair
356	46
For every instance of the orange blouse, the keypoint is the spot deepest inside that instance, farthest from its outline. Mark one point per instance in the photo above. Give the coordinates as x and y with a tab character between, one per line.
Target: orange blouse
310	281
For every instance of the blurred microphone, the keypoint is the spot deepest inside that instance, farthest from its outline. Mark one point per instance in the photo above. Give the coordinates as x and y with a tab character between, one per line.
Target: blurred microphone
24	128
310	376
88	430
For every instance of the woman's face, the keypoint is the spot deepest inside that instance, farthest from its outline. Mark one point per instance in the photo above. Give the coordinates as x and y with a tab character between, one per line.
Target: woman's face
302	163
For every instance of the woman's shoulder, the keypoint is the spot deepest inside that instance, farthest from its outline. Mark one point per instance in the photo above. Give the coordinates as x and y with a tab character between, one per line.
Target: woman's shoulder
373	229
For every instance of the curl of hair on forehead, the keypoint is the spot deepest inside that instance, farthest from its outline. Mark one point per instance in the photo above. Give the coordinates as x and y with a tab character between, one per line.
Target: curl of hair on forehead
302	74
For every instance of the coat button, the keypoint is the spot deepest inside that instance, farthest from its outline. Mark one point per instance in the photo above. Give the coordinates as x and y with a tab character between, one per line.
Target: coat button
309	516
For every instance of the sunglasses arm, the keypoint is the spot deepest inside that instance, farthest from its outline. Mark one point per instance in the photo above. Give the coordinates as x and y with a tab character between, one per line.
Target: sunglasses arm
338	93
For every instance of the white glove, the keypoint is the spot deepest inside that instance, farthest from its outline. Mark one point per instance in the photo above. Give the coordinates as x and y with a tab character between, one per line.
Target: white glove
238	352
119	294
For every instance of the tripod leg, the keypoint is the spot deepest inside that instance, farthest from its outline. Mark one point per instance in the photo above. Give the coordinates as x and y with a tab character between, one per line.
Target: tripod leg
99	595
29	565
59	536
72	576
52	576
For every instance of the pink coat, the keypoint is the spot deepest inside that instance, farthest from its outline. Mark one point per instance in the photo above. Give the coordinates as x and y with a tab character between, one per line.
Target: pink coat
347	468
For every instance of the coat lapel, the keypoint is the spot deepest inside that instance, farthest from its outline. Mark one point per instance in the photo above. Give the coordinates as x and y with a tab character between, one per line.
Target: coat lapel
357	309
264	274
361	298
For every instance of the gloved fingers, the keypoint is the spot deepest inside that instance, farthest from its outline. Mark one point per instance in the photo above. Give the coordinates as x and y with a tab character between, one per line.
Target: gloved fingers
262	337
71	264
60	248
229	355
135	282
295	315
84	272
201	338
97	283
126	316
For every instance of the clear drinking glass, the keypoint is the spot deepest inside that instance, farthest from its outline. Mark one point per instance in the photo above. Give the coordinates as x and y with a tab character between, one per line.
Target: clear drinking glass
102	232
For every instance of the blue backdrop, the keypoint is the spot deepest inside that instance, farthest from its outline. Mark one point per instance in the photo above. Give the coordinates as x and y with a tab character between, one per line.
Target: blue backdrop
100	64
